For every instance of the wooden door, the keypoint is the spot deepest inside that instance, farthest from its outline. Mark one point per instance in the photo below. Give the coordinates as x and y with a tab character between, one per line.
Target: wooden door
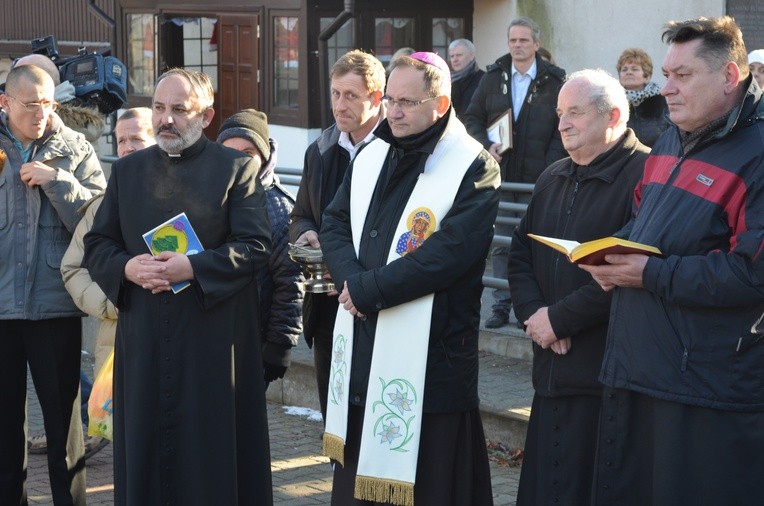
239	63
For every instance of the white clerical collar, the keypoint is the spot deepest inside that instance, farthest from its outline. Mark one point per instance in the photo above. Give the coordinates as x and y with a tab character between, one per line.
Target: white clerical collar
531	71
346	142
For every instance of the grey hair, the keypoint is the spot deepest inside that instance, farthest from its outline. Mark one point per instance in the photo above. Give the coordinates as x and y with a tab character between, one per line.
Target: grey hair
524	21
200	84
467	44
606	93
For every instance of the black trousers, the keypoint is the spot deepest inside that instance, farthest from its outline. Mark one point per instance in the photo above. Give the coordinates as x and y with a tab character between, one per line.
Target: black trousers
322	360
52	350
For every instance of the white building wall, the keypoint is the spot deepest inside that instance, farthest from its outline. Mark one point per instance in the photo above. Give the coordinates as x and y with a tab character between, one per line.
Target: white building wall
292	145
587	33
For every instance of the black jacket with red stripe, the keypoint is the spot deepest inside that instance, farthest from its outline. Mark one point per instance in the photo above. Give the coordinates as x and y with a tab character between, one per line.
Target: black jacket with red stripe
686	336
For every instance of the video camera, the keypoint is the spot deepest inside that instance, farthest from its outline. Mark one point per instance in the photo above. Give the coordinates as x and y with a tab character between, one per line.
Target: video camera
98	80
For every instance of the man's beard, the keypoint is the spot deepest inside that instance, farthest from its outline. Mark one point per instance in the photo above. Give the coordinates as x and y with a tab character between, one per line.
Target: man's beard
184	139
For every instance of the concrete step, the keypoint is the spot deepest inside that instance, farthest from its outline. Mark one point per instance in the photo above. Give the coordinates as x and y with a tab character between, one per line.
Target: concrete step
507	341
504	386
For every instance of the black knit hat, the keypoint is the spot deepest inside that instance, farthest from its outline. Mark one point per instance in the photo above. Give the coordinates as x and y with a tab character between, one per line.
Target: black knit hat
248	124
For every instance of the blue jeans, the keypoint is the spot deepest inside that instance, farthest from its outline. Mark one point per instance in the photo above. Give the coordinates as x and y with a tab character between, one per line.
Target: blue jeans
85	387
502	300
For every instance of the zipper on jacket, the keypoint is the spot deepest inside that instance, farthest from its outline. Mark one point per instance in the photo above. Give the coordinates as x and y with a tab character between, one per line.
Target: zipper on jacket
572	201
568	212
685	356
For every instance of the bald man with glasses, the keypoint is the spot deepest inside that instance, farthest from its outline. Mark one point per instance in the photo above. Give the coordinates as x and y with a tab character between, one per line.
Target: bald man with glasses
49	172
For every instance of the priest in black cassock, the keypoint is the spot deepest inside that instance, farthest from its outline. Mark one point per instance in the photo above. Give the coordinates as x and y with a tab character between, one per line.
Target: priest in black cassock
190	424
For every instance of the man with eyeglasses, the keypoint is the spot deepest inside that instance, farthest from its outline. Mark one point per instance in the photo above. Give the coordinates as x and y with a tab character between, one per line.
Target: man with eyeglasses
81	118
403	418
190	424
49	171
89	122
357	85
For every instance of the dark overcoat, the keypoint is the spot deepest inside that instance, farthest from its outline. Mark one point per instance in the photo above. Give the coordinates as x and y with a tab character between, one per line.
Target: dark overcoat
190	425
448	265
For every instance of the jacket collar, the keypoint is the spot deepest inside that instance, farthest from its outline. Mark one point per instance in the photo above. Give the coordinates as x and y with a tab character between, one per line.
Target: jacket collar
606	166
543	67
328	139
54	127
748	110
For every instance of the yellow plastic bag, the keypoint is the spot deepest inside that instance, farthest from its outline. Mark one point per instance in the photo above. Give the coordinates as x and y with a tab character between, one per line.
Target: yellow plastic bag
100	406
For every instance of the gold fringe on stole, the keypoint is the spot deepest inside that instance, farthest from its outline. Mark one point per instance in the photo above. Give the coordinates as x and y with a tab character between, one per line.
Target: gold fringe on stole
334	448
369	488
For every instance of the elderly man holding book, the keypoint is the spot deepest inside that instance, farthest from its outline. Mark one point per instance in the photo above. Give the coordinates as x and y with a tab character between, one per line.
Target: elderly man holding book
581	198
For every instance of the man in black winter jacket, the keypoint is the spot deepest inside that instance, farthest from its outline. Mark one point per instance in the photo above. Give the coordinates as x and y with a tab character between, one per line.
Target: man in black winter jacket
683	409
357	85
581	198
523	82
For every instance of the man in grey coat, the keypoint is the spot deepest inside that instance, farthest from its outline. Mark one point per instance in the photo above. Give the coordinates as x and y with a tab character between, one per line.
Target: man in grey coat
49	171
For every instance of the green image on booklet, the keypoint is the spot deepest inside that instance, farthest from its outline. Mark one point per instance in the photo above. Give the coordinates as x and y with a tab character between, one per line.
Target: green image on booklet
177	235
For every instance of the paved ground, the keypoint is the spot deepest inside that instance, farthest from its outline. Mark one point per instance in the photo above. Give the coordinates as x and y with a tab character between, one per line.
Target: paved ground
301	476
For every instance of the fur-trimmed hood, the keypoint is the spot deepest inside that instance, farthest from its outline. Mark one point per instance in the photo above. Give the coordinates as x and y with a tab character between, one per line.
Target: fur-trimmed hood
85	120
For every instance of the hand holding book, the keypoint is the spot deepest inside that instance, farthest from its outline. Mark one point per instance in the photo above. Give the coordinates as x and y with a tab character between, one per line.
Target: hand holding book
171	242
593	252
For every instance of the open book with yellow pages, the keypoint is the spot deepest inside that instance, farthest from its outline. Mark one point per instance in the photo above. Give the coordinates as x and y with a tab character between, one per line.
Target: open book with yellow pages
593	252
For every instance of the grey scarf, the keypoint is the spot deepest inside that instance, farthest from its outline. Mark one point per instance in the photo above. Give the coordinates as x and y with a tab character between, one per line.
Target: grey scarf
466	71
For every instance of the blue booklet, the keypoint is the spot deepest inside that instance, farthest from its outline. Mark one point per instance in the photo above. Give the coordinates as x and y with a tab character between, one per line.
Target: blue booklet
175	234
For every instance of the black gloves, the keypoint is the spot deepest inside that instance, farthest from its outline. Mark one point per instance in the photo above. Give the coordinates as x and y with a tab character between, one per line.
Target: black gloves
272	372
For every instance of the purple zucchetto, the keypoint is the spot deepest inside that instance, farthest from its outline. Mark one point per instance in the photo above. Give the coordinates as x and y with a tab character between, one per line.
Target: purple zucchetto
434	60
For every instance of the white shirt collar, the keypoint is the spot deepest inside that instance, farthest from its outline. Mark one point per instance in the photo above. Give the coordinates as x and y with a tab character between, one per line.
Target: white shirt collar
346	142
531	71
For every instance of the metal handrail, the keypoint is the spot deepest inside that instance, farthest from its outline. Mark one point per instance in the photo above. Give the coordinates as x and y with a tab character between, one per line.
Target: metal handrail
292	176
507	213
506	206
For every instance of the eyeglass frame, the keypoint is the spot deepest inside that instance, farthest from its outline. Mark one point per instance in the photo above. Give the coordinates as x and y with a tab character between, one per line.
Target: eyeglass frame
51	106
405	104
